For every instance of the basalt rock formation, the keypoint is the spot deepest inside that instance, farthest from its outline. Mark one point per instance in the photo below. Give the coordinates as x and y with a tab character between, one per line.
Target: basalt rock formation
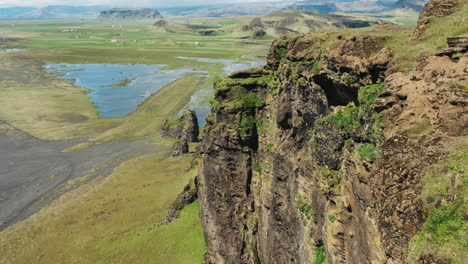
325	155
184	128
180	147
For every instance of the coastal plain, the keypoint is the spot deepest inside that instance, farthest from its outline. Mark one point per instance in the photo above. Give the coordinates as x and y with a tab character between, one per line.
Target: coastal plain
101	202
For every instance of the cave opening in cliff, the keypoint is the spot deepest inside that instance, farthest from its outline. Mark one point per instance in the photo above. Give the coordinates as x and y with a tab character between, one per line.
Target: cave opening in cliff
337	94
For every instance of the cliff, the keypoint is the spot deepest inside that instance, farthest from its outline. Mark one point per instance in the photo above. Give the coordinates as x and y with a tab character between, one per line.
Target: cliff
330	154
184	128
130	13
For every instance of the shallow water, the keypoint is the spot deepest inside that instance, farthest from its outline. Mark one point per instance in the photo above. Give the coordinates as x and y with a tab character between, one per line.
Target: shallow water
11	50
117	90
199	102
229	65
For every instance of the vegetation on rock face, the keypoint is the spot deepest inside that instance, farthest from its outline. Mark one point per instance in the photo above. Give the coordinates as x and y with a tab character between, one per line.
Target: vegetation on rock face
320	255
240	93
332	177
367	151
282	51
256	167
248	126
170	123
352	120
304	207
346	118
368	94
306	210
269	146
249	101
443	235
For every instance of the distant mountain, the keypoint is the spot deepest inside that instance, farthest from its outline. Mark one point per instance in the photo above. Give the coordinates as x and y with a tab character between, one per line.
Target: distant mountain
319	8
130	13
215	10
15	12
292	22
346	6
416	5
50	12
364	6
227	10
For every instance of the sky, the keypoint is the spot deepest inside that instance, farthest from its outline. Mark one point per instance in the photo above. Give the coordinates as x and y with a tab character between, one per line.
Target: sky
123	3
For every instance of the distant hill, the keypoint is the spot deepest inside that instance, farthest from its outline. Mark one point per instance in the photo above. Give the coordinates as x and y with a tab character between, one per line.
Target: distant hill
169	26
14	12
289	22
50	12
416	5
321	8
365	6
255	8
130	13
227	10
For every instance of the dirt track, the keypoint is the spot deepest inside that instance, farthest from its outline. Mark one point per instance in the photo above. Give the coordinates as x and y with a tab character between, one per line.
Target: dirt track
33	172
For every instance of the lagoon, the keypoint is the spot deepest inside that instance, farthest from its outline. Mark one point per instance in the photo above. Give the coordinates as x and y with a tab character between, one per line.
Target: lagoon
117	90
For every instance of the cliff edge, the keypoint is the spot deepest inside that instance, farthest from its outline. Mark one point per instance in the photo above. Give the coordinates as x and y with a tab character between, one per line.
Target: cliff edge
332	154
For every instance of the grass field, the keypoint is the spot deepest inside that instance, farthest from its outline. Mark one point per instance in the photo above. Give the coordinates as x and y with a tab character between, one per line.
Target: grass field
111	221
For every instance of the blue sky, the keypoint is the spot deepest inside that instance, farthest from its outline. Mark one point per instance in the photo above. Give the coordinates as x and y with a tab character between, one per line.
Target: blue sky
126	3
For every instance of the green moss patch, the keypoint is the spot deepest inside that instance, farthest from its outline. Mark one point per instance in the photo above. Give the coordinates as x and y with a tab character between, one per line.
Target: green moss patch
368	94
320	255
367	151
331	176
248	126
249	101
306	210
445	231
345	118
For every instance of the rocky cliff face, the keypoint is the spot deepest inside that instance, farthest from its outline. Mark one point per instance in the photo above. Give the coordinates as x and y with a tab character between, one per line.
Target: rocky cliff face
184	128
433	9
321	155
